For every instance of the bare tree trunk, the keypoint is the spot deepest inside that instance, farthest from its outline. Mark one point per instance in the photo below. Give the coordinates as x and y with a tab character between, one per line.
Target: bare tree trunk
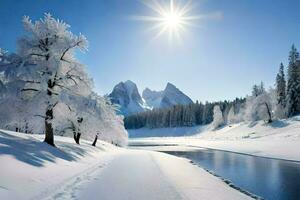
74	136
77	137
269	113
95	141
49	136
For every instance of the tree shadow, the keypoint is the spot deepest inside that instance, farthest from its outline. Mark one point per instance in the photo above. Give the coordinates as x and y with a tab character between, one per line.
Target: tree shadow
35	153
279	124
252	124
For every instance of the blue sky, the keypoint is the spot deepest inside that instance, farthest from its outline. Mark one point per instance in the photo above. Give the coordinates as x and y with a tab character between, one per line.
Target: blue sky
217	59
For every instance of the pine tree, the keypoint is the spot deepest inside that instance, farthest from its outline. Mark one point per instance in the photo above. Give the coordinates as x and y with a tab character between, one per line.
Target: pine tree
258	89
281	87
262	88
255	90
293	86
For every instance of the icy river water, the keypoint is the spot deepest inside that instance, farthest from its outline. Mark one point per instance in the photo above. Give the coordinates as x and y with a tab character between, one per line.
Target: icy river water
267	178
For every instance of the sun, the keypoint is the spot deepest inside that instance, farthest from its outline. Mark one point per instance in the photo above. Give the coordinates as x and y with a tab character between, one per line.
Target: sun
171	18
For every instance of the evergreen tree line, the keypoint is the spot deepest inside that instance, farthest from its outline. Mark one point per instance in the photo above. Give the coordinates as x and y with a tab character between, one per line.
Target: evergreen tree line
288	92
181	115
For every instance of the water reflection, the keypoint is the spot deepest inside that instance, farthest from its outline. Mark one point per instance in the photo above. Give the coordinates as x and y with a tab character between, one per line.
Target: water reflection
268	178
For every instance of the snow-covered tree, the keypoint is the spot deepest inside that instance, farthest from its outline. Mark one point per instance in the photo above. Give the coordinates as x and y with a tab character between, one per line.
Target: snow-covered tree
218	117
259	106
44	89
50	68
231	118
280	111
281	86
293	85
15	112
263	105
258	89
88	117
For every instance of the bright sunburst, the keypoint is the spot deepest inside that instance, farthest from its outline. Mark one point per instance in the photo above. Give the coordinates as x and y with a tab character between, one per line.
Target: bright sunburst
171	19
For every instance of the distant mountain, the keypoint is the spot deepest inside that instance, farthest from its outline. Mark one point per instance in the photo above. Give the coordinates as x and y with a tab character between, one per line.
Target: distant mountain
126	95
170	96
152	98
173	96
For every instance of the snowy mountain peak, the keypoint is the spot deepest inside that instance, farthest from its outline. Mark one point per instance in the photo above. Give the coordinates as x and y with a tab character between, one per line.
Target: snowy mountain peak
170	86
130	84
173	96
170	96
126	95
152	98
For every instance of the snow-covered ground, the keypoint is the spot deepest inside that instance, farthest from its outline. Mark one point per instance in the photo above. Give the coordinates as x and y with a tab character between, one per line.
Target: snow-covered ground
150	175
280	139
31	169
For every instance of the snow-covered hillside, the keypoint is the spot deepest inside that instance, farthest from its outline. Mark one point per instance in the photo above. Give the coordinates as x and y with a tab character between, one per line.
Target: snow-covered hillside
280	139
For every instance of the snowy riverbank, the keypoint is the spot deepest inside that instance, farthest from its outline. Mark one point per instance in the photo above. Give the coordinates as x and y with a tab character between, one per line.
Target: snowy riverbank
31	169
281	139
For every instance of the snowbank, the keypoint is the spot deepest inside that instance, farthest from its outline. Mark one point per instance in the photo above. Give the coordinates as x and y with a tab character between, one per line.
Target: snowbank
280	139
193	182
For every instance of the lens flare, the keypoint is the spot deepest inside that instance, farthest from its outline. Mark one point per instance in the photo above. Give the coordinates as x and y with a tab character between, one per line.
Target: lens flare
172	18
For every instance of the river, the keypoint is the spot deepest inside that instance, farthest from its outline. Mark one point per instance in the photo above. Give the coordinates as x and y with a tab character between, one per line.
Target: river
267	178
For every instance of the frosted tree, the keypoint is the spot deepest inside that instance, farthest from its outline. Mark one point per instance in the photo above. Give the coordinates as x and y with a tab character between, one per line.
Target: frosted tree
281	93
249	113
281	86
263	106
50	68
17	115
89	117
218	117
258	89
293	85
231	116
110	127
259	107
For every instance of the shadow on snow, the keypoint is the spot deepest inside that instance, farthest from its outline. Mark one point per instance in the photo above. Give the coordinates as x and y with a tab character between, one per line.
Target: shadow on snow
36	153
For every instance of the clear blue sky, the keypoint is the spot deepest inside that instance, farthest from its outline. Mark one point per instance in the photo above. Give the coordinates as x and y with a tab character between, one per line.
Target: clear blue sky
218	59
